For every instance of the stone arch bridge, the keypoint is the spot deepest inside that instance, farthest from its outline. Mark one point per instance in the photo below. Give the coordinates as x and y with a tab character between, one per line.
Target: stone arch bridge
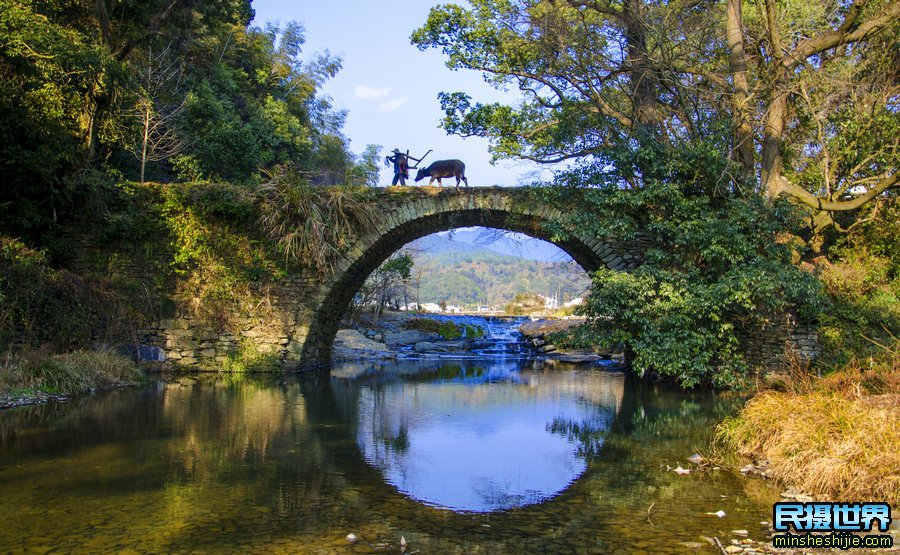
427	211
309	308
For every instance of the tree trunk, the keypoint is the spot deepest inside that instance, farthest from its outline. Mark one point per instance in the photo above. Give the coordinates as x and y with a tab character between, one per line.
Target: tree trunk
642	75
772	180
743	131
146	139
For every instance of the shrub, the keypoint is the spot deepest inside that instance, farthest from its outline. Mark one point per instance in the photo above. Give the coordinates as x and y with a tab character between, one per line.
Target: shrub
447	329
310	223
713	262
56	309
865	304
250	359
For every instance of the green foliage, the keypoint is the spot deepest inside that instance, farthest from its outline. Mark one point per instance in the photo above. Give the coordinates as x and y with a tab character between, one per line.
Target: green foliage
714	265
79	79
248	359
863	281
222	262
57	309
446	328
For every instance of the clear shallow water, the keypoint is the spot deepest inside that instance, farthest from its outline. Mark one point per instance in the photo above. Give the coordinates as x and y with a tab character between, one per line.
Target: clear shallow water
531	459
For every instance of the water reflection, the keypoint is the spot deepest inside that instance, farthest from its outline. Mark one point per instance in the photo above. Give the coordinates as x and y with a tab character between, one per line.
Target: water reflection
469	438
285	465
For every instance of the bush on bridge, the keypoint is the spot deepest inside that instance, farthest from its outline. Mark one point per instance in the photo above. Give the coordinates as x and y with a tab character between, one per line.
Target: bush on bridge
719	263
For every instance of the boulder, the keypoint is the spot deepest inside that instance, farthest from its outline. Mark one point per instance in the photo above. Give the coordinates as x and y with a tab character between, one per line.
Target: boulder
407	337
429	347
353	344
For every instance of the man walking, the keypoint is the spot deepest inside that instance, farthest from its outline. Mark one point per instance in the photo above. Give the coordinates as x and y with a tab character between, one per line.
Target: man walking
401	166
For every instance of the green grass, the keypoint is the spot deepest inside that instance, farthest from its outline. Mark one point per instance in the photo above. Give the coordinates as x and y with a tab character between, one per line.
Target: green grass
75	372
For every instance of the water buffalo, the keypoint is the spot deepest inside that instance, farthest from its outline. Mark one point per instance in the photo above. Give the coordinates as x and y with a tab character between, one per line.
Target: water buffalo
444	168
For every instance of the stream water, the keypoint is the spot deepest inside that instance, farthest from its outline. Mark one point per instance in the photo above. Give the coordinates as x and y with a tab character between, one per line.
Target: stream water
482	455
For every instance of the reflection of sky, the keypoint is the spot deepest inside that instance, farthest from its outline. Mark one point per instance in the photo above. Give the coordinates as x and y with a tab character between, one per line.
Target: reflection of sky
477	446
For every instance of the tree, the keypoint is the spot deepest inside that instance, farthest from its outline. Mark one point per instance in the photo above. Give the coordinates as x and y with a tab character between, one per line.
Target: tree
158	107
595	75
830	101
808	90
383	285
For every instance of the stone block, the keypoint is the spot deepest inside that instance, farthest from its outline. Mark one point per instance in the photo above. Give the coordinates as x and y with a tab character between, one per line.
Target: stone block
151	353
180	343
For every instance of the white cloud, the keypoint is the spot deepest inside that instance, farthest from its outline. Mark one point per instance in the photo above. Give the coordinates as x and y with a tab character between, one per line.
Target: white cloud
365	91
392	105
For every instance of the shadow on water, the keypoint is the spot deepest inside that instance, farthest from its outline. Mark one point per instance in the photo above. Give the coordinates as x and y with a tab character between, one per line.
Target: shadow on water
288	464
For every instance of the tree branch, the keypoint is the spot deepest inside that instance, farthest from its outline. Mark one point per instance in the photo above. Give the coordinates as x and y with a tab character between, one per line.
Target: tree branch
844	34
813	201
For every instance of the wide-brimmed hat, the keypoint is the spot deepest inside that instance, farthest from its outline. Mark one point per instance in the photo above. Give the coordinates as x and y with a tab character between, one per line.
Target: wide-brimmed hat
396	151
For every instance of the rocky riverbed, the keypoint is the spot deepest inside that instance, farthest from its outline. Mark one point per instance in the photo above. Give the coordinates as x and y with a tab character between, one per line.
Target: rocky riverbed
21	399
390	338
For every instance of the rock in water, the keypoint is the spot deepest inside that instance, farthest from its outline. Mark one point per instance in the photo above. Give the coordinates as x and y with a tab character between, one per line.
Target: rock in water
351	538
695	459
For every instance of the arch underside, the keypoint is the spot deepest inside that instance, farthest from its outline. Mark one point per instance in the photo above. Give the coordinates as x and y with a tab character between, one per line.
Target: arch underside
344	285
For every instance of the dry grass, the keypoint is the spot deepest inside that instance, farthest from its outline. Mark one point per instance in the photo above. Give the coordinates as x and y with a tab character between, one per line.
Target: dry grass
836	436
68	373
310	223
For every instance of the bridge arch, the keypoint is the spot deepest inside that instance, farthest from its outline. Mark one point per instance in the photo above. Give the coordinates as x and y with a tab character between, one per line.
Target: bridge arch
428	213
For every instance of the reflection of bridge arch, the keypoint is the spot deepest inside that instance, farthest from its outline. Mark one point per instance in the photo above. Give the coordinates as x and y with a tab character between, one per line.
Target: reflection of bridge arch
331	410
426	213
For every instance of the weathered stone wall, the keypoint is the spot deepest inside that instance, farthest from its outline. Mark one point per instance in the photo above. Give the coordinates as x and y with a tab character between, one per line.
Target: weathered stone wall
768	347
279	328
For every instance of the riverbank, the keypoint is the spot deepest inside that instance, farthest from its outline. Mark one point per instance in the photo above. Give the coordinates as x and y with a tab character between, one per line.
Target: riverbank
34	379
835	437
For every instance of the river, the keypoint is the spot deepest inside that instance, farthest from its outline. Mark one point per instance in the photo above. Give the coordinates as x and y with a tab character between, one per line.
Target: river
476	455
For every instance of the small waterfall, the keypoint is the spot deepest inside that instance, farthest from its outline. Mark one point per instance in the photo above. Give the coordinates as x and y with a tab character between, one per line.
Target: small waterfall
501	334
502	337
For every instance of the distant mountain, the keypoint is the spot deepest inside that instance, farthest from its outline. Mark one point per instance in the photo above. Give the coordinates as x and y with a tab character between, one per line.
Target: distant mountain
461	273
503	242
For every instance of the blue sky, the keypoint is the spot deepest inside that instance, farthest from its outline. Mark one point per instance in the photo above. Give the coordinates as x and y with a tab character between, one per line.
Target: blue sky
390	87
